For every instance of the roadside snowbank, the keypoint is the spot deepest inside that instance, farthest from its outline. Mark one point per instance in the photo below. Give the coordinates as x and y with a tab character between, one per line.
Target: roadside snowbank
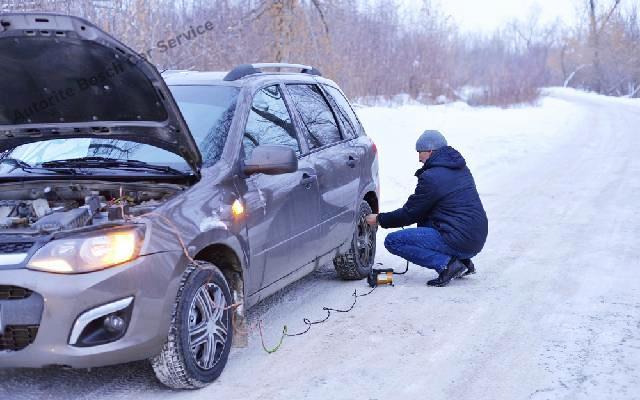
489	138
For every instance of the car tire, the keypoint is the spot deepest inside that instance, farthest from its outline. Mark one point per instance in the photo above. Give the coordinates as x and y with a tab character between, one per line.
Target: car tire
181	364
356	264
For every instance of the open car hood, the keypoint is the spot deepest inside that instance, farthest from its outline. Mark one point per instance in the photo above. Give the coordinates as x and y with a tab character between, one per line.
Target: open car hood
62	77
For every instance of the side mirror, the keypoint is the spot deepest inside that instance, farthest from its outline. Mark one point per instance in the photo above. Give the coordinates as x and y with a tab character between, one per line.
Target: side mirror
271	160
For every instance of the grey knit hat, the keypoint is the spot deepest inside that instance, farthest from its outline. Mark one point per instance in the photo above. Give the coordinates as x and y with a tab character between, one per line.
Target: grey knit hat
430	140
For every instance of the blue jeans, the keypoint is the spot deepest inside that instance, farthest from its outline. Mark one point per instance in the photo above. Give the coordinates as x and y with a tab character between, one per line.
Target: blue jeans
422	246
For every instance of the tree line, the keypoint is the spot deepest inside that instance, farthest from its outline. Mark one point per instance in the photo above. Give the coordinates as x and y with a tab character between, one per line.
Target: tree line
377	49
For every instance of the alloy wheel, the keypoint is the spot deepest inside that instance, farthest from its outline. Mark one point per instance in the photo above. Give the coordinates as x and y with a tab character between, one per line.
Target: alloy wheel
366	240
207	326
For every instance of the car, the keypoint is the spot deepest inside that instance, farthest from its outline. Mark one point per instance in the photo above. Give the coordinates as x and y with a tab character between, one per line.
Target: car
142	214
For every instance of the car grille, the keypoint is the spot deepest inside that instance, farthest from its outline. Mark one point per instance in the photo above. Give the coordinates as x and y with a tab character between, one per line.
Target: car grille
17	247
18	337
14	293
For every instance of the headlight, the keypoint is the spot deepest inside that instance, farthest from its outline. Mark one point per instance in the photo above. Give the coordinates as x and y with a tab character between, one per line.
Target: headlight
87	254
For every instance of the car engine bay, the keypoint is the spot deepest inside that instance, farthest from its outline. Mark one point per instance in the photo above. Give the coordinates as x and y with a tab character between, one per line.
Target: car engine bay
49	207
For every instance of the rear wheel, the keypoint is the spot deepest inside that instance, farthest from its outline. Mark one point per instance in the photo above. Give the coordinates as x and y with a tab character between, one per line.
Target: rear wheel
200	334
357	262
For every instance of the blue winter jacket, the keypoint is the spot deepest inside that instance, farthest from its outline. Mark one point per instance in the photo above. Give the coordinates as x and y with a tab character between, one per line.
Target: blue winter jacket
447	200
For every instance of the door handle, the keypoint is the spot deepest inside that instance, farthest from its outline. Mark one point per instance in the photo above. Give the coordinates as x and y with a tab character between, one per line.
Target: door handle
352	162
308	180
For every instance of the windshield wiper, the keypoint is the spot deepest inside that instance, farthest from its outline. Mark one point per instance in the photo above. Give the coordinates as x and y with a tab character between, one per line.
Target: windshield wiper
15	162
103	162
26	167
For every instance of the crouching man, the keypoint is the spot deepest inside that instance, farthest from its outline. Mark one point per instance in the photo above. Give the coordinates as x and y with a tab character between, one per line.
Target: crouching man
452	223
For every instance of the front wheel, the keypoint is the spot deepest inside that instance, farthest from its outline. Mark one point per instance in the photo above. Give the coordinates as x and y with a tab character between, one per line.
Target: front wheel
357	262
200	334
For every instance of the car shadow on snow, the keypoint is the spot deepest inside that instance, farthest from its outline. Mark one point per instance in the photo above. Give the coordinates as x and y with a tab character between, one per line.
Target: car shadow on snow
56	382
309	287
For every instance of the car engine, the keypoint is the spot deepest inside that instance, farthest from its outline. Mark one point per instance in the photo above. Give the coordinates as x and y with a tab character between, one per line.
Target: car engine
56	207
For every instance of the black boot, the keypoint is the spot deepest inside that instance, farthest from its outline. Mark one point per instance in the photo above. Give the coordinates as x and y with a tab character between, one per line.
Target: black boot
453	270
471	269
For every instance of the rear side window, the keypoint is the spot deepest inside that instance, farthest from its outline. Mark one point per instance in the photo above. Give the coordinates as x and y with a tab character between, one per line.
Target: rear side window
345	108
321	128
269	122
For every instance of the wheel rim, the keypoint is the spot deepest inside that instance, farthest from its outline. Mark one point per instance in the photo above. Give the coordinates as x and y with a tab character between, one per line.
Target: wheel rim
207	326
366	242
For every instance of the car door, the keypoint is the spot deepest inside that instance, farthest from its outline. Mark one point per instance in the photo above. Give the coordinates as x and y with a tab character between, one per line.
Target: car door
335	162
358	145
283	221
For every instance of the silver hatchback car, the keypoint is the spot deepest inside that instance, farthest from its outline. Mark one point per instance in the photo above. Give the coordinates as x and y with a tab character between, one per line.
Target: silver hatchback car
141	214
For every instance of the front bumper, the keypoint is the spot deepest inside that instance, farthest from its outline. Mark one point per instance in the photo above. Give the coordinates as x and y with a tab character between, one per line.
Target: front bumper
151	280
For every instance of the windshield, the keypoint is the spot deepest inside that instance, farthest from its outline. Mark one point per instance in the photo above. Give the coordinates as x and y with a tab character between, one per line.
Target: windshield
64	149
208	111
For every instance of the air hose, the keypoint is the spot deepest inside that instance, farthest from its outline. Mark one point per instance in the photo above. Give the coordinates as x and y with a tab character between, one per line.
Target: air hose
376	278
309	323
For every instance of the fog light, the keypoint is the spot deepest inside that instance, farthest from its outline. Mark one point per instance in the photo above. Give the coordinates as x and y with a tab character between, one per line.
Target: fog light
102	325
114	324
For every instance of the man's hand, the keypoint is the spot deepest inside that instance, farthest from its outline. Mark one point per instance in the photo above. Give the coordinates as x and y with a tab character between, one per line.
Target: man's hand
372	219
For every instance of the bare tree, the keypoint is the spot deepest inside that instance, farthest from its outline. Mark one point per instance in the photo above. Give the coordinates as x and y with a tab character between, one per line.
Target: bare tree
597	24
375	50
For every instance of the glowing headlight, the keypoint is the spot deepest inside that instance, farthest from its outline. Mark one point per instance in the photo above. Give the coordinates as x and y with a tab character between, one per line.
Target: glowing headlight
87	254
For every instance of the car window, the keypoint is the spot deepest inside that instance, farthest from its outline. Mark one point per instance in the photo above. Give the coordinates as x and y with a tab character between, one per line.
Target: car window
61	149
269	122
208	111
321	128
346	124
345	109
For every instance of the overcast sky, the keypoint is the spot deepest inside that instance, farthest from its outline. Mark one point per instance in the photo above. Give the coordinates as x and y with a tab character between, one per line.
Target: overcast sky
487	15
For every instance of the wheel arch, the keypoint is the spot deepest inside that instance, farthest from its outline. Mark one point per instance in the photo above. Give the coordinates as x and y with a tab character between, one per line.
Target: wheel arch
228	258
372	198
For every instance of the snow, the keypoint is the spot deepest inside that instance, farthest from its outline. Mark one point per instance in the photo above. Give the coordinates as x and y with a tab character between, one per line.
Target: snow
553	313
489	138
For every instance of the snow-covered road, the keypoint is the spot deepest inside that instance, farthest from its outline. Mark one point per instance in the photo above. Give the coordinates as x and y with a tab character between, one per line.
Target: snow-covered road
554	312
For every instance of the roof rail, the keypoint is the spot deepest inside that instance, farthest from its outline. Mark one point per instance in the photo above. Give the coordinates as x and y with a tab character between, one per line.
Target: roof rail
173	71
249	69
